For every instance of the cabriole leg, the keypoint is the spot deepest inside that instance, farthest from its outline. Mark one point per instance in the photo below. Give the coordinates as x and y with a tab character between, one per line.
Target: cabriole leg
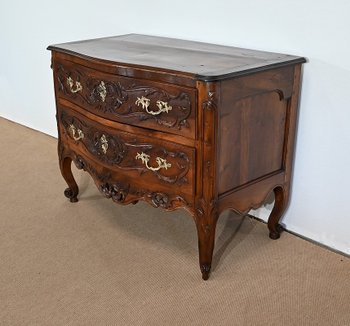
277	211
66	169
206	226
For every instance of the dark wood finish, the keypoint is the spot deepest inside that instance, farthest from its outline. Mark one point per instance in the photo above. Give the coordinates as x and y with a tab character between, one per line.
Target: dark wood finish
115	98
199	60
121	149
223	138
253	119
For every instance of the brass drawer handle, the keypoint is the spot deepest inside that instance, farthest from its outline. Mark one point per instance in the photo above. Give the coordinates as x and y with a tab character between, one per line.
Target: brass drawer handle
102	90
76	133
145	103
104	143
74	89
162	163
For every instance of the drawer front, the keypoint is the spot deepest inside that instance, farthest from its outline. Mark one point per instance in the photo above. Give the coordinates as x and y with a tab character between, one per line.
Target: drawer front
136	102
149	162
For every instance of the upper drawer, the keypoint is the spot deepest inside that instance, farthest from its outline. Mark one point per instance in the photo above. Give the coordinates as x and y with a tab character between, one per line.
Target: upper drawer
132	101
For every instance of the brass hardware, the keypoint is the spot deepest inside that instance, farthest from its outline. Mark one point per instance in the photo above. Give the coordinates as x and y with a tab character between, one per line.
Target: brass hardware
102	90
163	107
104	143
145	103
74	131
162	163
70	83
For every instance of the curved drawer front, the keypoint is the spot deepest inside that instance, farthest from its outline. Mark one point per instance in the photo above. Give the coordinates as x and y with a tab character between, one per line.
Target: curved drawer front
149	161
136	102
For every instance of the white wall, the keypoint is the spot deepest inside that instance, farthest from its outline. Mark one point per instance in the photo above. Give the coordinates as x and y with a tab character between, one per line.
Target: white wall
318	30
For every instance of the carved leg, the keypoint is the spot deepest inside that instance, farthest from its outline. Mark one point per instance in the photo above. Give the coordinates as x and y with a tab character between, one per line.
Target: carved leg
206	226
66	169
277	211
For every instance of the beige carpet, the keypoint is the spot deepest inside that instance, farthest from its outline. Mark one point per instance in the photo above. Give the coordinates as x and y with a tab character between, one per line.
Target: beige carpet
98	263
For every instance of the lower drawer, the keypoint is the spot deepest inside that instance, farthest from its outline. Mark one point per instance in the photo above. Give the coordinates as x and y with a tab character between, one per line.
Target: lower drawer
150	163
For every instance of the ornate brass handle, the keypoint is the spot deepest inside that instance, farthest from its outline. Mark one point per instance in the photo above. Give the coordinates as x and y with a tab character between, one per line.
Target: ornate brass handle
104	143
145	103
76	133
162	163
74	89
102	90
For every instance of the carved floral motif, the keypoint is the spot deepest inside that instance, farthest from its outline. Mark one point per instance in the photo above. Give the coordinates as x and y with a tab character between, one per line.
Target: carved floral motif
121	192
127	100
115	191
160	200
210	103
114	150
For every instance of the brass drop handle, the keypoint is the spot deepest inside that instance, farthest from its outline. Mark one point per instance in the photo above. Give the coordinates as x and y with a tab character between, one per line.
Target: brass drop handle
104	143
145	103
102	90
162	163
76	133
74	88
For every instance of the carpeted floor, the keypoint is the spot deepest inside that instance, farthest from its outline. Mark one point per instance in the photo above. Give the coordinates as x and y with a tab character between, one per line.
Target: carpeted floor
98	263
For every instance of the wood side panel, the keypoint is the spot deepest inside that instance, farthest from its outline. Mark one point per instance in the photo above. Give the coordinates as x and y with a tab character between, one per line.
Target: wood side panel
279	80
267	118
253	124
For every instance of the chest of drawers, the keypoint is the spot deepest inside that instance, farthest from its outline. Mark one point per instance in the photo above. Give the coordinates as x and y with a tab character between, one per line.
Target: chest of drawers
178	124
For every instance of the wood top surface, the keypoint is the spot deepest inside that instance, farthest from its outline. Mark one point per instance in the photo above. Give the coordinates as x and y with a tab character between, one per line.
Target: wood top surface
202	60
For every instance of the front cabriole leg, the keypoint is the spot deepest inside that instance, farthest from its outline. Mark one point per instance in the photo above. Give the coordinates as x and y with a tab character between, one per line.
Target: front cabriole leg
206	220
207	206
65	163
277	211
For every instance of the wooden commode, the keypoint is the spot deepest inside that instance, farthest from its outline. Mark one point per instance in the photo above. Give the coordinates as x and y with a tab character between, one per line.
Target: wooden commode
178	124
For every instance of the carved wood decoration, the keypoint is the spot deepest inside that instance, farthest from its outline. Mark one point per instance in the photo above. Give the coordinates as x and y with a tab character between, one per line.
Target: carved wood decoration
119	99
206	207
119	191
120	151
178	124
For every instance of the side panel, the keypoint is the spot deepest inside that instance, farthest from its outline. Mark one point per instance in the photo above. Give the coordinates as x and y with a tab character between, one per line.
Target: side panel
253	120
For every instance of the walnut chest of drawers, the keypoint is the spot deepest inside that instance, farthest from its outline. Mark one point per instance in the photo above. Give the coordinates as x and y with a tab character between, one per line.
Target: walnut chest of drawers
178	124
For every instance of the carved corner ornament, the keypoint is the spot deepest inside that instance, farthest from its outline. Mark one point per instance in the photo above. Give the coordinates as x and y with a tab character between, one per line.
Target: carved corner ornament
210	102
